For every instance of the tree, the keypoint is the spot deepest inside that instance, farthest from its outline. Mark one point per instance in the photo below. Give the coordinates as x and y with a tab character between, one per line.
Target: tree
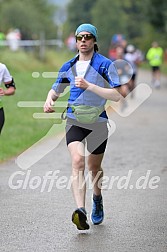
105	16
31	17
79	11
140	23
157	13
110	17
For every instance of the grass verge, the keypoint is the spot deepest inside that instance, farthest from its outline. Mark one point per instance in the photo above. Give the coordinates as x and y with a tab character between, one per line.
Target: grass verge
21	130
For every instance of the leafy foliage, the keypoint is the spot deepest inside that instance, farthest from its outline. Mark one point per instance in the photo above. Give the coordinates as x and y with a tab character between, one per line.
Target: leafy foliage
141	23
79	12
157	13
31	17
21	130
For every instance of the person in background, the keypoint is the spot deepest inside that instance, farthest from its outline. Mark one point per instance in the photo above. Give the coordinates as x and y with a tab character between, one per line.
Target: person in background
155	59
118	40
13	38
93	80
123	70
134	57
9	89
2	36
71	42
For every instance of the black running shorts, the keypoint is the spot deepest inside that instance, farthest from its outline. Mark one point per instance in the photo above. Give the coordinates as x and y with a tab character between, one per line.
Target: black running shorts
2	119
155	68
95	135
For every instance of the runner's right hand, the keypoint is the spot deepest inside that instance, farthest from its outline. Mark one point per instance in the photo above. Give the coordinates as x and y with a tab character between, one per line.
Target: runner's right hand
48	106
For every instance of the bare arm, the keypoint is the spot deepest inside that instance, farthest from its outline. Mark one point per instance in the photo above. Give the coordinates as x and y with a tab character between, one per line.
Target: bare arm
9	91
51	98
107	93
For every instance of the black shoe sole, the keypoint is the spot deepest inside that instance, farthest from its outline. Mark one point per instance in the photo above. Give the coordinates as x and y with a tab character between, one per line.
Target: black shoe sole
80	220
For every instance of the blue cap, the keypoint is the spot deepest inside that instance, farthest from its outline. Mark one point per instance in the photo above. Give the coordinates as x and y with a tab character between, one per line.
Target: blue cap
88	28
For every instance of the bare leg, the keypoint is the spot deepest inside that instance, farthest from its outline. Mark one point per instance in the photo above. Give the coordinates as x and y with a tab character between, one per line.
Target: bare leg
157	78
94	164
78	179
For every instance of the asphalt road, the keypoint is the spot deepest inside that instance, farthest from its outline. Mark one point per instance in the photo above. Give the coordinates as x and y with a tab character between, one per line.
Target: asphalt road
35	210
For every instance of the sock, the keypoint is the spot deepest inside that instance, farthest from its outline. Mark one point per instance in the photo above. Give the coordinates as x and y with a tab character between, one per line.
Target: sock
83	209
97	197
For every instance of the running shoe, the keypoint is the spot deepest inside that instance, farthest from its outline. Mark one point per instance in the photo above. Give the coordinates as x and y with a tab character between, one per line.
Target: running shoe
97	215
79	218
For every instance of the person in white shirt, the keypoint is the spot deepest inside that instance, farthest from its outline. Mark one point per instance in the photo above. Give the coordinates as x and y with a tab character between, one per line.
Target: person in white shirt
134	58
9	89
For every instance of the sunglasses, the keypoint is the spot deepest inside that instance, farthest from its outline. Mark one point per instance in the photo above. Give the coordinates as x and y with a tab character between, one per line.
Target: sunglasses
85	36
